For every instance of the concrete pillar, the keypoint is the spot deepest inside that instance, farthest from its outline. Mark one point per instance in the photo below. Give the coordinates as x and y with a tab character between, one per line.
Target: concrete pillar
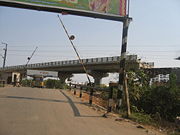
63	76
97	76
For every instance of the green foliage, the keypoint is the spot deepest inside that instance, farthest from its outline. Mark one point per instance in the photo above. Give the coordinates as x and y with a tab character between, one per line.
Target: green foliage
57	84
115	92
137	84
172	81
65	86
162	100
50	83
104	95
103	86
142	118
26	83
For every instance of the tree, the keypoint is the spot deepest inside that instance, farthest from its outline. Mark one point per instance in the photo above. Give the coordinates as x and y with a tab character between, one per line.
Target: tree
164	100
138	83
161	100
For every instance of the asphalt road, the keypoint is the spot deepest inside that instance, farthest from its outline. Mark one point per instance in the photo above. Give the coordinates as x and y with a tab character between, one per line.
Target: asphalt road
33	111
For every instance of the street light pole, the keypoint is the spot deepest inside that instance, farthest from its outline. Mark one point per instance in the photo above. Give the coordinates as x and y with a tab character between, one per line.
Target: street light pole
5	54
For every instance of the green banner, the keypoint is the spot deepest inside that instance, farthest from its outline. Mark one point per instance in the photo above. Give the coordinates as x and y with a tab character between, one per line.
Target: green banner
114	7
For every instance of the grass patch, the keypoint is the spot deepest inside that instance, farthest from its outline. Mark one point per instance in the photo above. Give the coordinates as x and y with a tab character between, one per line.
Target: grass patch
142	118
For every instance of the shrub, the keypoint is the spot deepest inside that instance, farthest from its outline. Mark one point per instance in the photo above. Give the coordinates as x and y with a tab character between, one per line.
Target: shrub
50	83
26	83
142	118
162	100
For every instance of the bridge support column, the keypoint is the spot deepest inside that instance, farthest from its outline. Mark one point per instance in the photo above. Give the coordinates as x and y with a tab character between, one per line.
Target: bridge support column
97	76
63	76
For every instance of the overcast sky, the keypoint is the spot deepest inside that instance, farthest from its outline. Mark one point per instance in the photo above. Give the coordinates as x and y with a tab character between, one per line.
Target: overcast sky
154	34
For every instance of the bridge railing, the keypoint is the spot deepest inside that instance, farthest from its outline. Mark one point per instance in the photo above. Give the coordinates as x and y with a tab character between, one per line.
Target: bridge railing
101	60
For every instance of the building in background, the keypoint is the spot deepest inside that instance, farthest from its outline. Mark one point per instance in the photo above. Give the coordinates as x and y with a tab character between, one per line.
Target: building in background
146	65
160	79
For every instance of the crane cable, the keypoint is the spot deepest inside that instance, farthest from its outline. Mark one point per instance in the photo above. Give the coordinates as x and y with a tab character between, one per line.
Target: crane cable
79	58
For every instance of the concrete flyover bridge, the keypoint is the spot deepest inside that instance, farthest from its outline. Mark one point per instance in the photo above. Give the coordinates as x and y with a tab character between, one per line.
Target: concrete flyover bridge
97	67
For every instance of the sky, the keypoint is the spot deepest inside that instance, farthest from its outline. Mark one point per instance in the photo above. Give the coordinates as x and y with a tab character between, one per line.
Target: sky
154	34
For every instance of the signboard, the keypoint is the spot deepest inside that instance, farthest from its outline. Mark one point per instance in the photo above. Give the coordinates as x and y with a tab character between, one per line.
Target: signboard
107	9
42	73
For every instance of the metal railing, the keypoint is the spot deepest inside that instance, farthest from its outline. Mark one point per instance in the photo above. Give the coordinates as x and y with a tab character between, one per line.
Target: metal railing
101	60
103	97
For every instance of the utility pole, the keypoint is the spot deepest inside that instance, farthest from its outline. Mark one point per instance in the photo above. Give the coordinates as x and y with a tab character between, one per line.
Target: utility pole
122	86
5	54
123	93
